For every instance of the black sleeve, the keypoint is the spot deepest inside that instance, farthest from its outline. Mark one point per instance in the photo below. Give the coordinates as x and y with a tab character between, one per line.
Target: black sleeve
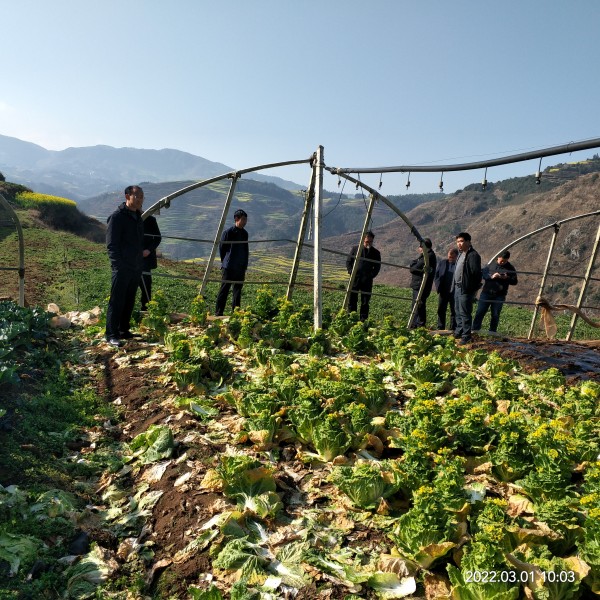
376	266
152	237
224	246
350	260
114	233
416	266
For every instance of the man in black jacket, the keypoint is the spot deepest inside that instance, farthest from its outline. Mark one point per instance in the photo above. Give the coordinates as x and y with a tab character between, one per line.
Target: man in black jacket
496	279
417	269
234	262
467	280
152	239
444	274
125	244
369	264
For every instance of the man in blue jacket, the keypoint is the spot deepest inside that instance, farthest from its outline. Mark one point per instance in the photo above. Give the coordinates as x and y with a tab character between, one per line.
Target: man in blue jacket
125	244
496	279
444	275
234	262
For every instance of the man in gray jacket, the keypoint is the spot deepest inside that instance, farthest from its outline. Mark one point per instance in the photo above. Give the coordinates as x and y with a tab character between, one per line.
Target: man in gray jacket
467	280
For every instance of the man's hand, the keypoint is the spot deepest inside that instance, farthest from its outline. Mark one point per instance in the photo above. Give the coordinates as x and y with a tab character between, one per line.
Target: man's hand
145	253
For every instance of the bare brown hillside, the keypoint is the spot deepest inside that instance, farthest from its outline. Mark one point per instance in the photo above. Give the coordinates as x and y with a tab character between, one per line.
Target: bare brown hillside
493	223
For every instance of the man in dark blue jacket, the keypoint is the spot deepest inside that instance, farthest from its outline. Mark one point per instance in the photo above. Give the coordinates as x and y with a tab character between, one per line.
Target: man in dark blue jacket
125	244
234	262
368	268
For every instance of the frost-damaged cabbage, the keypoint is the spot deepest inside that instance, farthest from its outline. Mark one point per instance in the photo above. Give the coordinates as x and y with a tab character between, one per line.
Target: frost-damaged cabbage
54	503
15	549
389	585
263	569
89	573
250	484
367	483
152	445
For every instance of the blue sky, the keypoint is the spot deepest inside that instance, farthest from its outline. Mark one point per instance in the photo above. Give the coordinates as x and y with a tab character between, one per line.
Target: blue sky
379	83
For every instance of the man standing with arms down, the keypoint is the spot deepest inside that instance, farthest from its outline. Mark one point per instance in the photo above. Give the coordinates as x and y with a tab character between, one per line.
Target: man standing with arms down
125	244
467	280
234	262
444	275
496	279
369	264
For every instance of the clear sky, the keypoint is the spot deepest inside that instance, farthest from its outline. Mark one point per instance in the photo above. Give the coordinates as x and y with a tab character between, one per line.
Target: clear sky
248	82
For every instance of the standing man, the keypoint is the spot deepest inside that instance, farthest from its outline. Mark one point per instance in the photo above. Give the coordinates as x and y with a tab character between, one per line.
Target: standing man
234	262
152	239
467	280
417	268
369	264
496	279
444	274
125	244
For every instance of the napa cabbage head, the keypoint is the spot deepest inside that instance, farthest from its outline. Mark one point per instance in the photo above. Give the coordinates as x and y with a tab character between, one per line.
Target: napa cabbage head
367	483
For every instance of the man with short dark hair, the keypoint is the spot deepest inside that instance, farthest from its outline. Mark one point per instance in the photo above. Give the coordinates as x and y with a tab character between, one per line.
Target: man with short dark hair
417	269
496	279
369	264
125	244
467	280
234	253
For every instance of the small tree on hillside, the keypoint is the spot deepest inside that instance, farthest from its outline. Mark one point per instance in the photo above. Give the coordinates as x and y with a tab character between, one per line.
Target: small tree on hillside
2	178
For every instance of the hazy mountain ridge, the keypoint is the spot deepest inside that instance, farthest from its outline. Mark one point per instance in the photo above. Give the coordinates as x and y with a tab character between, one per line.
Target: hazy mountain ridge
78	173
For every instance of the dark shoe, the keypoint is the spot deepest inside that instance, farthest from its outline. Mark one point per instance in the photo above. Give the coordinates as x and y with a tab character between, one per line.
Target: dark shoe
115	342
126	335
464	340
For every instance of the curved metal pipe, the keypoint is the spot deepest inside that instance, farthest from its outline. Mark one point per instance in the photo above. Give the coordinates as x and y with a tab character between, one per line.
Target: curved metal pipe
563	149
531	233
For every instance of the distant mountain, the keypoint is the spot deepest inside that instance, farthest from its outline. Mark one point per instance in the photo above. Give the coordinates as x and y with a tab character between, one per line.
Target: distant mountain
79	173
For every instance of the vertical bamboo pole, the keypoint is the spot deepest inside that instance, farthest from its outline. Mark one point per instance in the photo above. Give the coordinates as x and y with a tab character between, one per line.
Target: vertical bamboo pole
213	251
365	228
317	266
544	277
585	283
310	195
